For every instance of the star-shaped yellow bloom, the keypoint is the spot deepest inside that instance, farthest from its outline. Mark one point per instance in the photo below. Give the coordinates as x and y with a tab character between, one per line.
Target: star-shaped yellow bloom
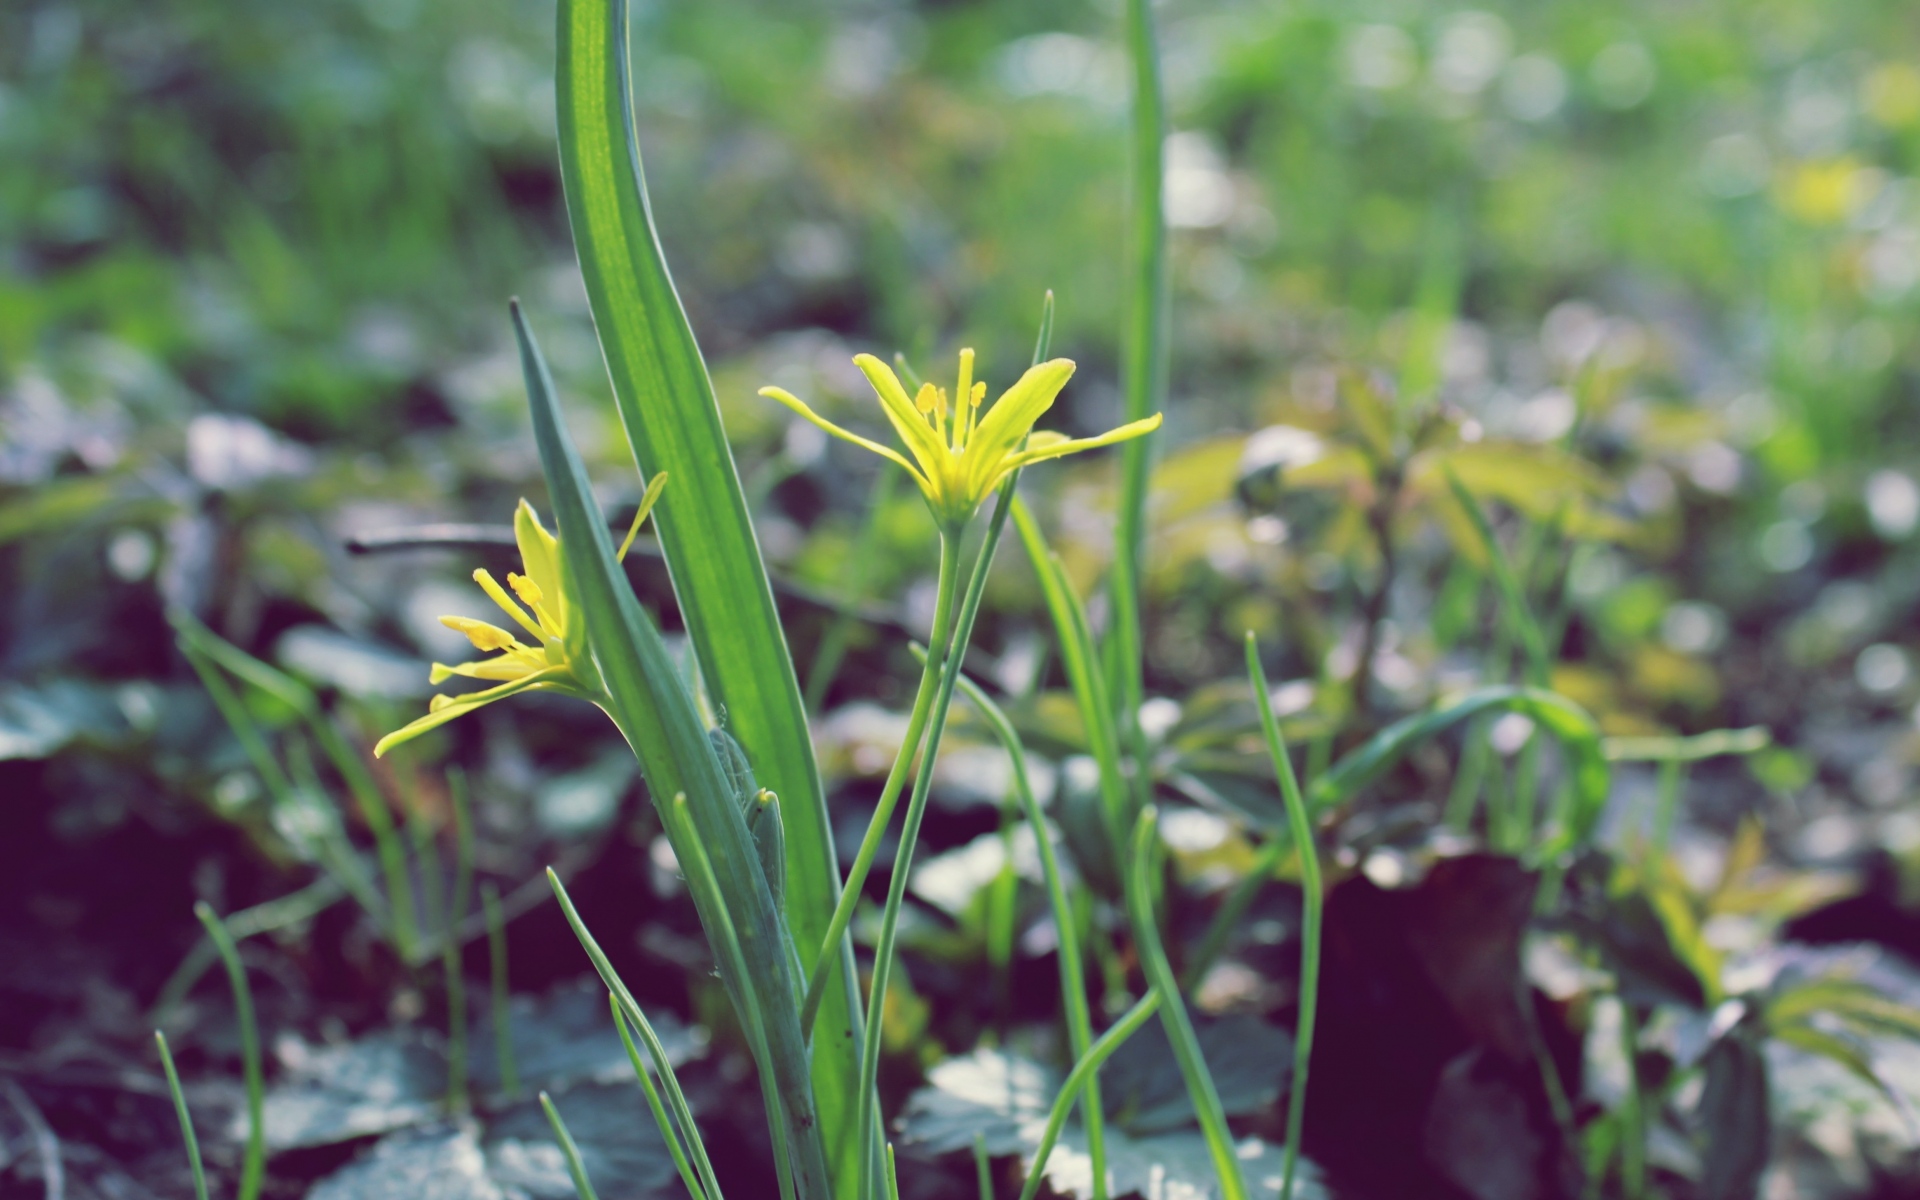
553	658
959	455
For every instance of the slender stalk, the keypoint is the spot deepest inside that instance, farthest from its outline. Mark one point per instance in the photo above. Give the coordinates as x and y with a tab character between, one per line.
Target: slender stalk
668	1132
890	791
893	1175
1077	1080
1143	372
253	1169
1313	903
1173	1010
581	1184
497	975
903	856
833	644
186	1118
1073	984
982	1169
916	721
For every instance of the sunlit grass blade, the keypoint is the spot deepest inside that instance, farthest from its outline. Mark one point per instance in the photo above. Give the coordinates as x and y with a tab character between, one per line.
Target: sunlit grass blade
186	1118
669	1131
630	1009
647	698
1173	1010
1143	371
667	406
582	1186
1073	984
1313	903
1076	1082
253	1166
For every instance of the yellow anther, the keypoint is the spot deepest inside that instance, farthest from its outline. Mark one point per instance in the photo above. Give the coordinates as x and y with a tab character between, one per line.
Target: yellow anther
528	591
979	393
498	595
927	398
482	635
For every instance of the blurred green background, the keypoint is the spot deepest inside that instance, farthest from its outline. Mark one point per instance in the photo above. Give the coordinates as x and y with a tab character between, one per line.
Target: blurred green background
1659	264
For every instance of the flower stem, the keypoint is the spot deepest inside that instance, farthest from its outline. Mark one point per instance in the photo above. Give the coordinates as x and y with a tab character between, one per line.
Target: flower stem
896	779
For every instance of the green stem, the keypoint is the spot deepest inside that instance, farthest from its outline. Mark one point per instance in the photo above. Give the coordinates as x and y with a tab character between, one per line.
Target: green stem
1073	984
253	1169
1173	1011
1464	796
1313	902
890	792
982	1169
497	978
186	1119
1077	1080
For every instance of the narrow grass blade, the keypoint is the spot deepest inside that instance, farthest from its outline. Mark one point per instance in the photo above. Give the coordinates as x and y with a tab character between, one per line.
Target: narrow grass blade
667	406
1077	1079
303	905
253	1168
1143	369
668	1129
1313	900
186	1118
1232	909
647	699
982	1168
582	1186
1073	984
1173	1010
497	979
630	1008
351	766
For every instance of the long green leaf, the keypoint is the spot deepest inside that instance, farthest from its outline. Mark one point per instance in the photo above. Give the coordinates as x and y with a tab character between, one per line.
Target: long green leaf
672	421
1143	369
648	700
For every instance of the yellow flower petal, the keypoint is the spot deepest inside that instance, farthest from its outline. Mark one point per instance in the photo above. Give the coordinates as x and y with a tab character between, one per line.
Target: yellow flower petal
1010	419
482	635
921	439
799	406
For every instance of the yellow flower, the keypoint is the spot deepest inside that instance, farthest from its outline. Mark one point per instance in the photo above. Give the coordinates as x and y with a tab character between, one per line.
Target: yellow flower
553	658
960	456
